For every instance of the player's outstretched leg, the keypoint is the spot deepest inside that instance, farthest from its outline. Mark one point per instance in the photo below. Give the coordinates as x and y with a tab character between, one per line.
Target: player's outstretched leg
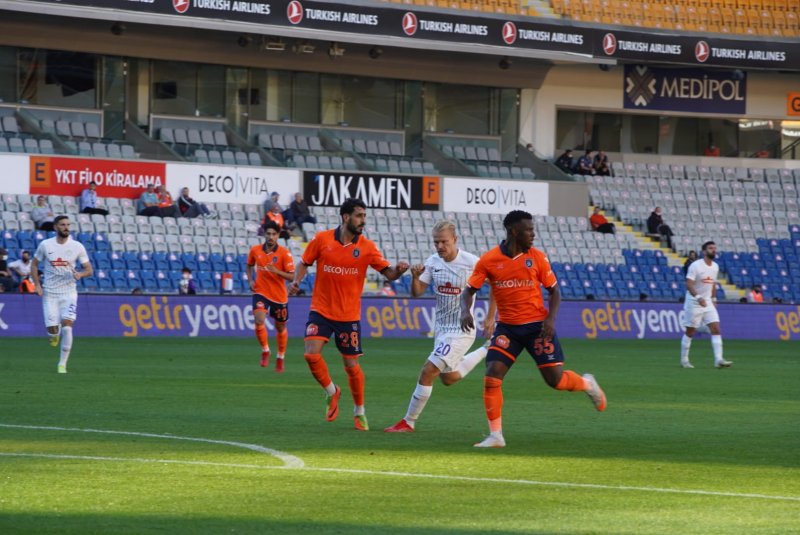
319	369
472	359
572	382
66	347
493	403
716	345
419	399
282	337
355	379
263	340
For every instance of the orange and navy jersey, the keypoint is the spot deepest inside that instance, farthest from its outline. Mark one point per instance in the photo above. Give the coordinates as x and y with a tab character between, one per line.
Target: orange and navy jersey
270	285
516	283
341	270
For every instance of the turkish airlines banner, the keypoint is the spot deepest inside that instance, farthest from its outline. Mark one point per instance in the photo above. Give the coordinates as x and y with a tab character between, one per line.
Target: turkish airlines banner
377	191
692	90
495	196
51	175
512	32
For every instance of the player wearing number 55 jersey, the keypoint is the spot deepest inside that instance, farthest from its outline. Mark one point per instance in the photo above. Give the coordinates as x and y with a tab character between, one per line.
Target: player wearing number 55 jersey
58	258
342	256
516	271
269	266
447	272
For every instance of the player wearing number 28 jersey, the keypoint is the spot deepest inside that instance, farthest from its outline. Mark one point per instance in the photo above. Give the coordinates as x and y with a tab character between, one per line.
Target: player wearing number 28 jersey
516	271
342	256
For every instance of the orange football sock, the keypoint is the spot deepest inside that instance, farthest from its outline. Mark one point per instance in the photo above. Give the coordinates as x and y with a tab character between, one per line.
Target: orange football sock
261	334
355	378
283	341
571	381
493	401
319	369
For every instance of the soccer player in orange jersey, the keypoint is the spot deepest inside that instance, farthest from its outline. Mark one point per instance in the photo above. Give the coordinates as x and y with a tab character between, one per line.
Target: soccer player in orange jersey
515	271
268	267
342	256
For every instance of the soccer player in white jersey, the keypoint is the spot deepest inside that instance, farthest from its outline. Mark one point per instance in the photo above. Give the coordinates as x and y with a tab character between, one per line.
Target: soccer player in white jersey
59	257
448	271
698	307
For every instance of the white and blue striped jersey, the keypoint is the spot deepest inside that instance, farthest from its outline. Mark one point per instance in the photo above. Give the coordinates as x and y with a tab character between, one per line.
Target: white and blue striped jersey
448	280
59	262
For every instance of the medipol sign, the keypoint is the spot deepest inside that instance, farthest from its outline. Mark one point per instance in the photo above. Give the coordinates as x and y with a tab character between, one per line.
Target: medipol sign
692	90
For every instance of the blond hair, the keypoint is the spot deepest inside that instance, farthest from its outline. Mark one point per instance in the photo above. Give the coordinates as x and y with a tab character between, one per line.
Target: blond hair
445	224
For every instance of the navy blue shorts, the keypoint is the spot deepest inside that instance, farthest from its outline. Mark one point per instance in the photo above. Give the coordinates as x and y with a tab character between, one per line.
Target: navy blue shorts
509	341
277	311
347	334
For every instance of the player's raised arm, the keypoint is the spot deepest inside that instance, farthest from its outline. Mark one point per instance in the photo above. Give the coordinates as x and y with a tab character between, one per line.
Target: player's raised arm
418	287
286	275
467	299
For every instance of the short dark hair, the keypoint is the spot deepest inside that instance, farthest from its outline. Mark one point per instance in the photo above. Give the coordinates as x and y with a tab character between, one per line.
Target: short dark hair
349	206
706	244
271	225
58	219
186	270
514	217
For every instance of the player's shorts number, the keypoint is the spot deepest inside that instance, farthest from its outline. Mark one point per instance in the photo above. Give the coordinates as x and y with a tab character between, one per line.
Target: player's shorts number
543	347
281	314
348	340
442	349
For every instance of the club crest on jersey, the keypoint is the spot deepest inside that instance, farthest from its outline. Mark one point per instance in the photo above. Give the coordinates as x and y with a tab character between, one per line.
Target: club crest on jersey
274	259
502	342
312	329
356	253
529	262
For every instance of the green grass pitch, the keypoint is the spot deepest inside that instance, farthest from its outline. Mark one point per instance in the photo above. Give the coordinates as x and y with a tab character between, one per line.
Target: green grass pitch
677	451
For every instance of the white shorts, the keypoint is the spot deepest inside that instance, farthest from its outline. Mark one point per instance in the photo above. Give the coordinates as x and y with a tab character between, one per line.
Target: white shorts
449	350
694	315
58	308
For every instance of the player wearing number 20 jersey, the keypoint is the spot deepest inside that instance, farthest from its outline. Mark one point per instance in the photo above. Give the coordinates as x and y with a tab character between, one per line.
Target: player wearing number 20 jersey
342	256
516	271
446	273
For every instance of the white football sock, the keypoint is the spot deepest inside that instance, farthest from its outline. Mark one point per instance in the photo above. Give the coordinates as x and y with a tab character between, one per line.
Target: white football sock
358	410
716	345
686	345
471	360
66	344
419	398
330	389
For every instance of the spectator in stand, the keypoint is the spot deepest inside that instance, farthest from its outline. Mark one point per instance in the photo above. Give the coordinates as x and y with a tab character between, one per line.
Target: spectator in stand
656	226
300	211
600	164
564	162
88	203
42	214
187	286
711	150
7	282
191	208
585	166
166	206
273	199
148	202
691	258
21	269
600	223
387	290
276	217
755	295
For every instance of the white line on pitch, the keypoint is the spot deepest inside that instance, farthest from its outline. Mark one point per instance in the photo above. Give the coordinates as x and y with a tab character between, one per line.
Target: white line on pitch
289	460
589	486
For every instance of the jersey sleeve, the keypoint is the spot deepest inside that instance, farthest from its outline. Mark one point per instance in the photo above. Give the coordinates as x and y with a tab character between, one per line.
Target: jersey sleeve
251	257
311	253
83	256
288	262
376	260
546	275
691	273
479	275
426	277
40	255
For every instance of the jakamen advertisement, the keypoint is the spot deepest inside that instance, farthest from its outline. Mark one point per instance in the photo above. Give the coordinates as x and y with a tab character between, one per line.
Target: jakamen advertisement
135	316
